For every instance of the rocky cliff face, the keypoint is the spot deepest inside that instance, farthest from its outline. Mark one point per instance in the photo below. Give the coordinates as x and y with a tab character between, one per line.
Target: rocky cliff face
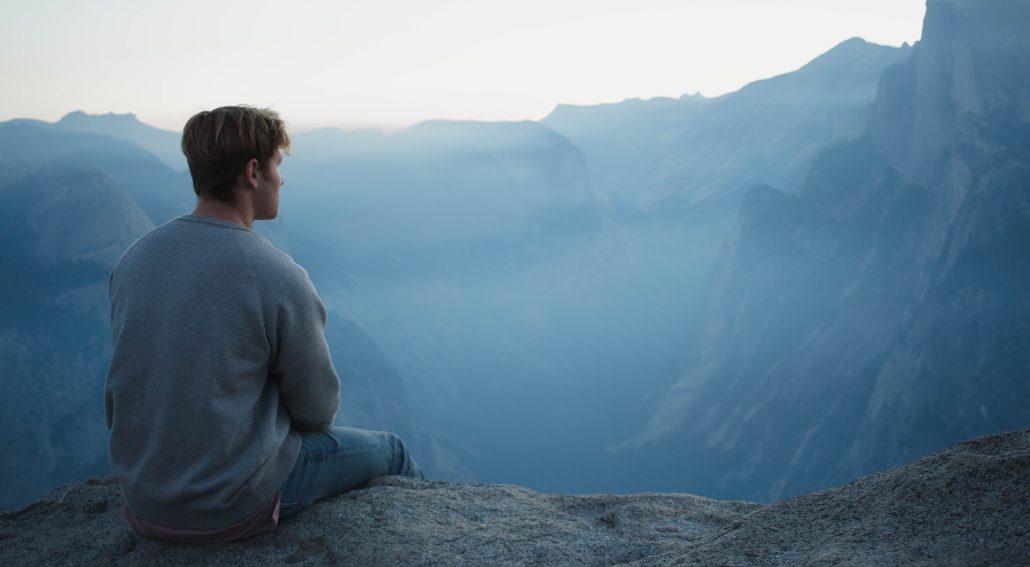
881	313
970	70
967	505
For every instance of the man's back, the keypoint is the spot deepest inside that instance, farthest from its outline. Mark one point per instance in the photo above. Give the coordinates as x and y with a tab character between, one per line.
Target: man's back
221	395
218	347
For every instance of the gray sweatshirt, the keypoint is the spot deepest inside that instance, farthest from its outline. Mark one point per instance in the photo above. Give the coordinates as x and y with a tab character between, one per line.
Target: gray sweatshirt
219	359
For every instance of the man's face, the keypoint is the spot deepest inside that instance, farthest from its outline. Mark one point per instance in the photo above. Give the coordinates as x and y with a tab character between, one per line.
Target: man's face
266	198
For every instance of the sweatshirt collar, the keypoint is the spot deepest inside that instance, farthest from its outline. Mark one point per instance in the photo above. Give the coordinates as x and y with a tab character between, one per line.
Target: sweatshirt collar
214	221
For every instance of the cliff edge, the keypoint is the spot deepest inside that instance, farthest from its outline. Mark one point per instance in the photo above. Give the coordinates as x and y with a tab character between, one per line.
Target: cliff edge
967	505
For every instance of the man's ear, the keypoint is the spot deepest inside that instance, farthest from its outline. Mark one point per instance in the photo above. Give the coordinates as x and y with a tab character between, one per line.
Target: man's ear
250	172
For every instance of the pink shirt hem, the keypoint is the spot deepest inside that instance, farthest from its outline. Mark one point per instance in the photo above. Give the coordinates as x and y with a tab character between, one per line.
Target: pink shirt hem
262	521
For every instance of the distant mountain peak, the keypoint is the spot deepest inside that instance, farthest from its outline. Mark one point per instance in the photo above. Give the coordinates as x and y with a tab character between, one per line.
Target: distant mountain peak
79	117
849	51
162	143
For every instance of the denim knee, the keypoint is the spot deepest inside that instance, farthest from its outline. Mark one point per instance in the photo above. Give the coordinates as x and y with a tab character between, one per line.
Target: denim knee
404	464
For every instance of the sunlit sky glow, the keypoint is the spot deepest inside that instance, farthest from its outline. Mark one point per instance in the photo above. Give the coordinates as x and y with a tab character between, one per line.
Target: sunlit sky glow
392	63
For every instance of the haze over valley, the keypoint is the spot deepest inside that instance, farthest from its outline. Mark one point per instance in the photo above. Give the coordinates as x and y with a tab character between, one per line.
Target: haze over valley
751	296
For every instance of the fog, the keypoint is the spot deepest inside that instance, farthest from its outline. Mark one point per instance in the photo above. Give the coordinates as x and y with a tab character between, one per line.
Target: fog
750	296
530	325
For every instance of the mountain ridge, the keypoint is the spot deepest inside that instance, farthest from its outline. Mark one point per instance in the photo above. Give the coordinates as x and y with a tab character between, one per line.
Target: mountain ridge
674	154
532	300
162	143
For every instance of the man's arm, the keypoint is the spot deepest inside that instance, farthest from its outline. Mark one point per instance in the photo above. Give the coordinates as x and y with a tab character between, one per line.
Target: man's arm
309	385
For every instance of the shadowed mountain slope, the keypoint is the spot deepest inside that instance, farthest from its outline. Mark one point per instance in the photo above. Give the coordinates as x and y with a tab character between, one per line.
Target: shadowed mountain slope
55	336
160	191
882	312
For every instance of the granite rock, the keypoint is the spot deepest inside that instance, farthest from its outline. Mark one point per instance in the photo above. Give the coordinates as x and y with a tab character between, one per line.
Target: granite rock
967	505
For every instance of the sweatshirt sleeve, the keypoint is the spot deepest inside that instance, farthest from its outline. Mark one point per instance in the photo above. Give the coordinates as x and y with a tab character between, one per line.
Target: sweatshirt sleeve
308	383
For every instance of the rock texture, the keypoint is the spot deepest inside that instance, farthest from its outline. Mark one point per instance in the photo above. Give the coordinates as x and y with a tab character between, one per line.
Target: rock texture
968	505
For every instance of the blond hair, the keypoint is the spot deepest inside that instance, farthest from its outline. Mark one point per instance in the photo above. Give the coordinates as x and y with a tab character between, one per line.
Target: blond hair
218	143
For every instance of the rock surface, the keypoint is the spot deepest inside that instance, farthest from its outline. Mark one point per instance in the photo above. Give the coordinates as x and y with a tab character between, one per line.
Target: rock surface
968	505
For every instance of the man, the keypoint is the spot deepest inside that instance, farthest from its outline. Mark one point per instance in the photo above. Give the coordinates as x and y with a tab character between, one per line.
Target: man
221	396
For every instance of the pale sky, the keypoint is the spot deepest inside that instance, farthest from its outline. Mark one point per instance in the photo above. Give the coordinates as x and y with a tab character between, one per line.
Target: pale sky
392	63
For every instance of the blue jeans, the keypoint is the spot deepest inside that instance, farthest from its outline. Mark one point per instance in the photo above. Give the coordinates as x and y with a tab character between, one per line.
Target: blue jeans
339	459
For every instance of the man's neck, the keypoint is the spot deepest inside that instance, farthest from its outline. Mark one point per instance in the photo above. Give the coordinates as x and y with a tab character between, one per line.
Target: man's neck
236	212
